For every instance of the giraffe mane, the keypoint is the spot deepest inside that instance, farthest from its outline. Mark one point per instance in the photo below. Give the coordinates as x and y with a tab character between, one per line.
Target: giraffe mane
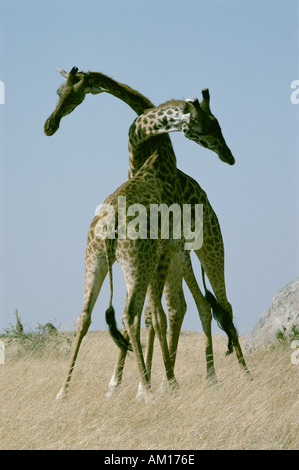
167	104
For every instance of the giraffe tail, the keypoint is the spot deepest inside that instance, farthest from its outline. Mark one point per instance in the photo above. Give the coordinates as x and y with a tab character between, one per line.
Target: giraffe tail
119	339
222	316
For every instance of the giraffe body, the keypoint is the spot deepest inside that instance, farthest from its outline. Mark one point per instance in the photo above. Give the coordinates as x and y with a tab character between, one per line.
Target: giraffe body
144	264
171	117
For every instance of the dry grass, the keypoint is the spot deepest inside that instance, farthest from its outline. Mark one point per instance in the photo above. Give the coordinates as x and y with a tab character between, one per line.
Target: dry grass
237	414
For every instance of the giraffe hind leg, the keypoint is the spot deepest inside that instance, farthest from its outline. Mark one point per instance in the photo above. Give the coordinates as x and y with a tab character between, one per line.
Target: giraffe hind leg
213	267
204	311
223	319
225	322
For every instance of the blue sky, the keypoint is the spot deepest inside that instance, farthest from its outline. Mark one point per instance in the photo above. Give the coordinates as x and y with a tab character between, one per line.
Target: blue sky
245	52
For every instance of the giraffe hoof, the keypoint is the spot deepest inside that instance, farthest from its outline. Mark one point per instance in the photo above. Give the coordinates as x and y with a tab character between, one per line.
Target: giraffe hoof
113	387
248	376
139	393
61	394
174	385
143	394
111	392
211	379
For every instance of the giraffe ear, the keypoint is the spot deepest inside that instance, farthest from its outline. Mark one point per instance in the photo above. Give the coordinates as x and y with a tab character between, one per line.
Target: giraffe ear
194	115
189	106
193	107
186	108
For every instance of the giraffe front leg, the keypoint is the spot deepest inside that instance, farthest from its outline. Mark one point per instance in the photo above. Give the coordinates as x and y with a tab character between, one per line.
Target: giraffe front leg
83	323
159	319
136	292
150	339
116	378
176	307
133	327
160	327
95	273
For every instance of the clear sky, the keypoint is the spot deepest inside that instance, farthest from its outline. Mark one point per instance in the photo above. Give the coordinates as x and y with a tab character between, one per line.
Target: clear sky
245	52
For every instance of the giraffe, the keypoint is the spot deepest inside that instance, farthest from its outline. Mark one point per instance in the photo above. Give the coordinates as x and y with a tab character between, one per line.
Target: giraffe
211	255
187	116
144	262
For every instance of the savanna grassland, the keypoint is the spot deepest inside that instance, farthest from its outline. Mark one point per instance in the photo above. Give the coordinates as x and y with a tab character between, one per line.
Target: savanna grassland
235	414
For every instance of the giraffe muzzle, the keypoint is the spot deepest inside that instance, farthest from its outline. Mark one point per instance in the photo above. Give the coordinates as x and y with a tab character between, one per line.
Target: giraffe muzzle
227	157
51	126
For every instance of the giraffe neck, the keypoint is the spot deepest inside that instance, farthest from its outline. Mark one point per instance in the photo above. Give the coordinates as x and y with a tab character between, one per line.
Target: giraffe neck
98	83
163	119
149	132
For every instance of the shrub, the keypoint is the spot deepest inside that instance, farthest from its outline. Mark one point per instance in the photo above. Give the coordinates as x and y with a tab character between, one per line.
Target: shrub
282	335
43	339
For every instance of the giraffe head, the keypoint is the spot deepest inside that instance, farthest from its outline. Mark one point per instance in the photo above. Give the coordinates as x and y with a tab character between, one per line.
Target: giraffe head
71	93
201	126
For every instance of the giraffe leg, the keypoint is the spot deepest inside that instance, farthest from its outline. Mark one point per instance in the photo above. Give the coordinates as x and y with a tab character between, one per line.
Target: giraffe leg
156	323
176	307
95	273
159	319
116	378
136	261
204	311
131	321
150	339
160	328
214	269
149	347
